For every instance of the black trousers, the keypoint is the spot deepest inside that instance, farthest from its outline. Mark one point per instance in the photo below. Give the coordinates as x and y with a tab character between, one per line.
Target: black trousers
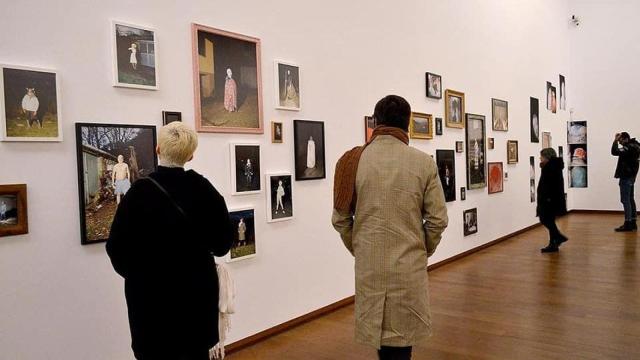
394	353
554	233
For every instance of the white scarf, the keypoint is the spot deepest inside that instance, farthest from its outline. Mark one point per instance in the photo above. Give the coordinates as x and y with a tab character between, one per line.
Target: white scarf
226	307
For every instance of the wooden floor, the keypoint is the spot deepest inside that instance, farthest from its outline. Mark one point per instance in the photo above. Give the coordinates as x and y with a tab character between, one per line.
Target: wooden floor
510	302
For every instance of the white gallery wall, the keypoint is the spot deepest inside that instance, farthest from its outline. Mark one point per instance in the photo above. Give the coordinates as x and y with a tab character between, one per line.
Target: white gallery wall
61	300
604	77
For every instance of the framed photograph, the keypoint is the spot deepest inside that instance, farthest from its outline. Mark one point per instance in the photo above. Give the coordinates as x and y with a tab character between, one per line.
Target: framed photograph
445	159
287	85
171	116
245	172
549	95
476	153
470	218
454	109
13	210
546	139
29	104
463	193
491	143
135	56
110	158
500	115
512	151
227	81
369	126
560	151
459	146
577	142
563	93
534	119
532	179
279	197
496	177
309	149
421	126
434	85
276	132
438	126
243	221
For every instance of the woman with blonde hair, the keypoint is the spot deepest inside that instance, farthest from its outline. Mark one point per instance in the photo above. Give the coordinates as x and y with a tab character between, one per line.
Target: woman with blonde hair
165	233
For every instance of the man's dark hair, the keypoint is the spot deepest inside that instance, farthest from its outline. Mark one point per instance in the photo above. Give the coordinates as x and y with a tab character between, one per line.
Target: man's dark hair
625	135
393	110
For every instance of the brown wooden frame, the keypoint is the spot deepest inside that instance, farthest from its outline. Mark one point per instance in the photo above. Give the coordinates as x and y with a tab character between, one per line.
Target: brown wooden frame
22	227
447	116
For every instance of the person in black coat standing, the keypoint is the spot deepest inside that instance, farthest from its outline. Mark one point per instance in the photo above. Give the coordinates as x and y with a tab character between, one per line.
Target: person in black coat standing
627	150
551	200
162	242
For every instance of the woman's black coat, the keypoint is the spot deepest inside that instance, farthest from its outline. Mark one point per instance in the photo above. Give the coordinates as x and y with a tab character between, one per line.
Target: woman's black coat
171	283
551	200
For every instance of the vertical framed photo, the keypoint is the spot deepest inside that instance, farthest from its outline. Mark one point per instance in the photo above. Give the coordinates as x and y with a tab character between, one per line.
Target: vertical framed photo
438	126
110	159
563	93
245	171
277	132
491	143
421	126
512	151
470	218
227	81
534	118
287	85
135	56
546	139
459	146
577	142
551	98
496	177
279	197
476	153
445	159
29	104
434	85
500	115
463	193
532	179
369	126
13	210
171	116
309	149
454	109
243	221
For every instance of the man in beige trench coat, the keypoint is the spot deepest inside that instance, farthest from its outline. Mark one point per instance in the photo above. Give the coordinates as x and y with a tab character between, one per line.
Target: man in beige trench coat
389	209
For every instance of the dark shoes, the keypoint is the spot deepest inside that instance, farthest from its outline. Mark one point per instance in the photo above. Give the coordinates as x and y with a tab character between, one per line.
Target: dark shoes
628	226
549	249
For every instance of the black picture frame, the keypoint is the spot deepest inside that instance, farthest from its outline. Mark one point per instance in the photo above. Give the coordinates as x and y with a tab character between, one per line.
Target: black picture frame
302	128
476	152
150	158
446	160
534	119
463	193
429	95
470	221
438	126
171	116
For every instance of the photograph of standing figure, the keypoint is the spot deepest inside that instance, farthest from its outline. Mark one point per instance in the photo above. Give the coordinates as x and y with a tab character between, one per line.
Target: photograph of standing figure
244	242
476	152
135	52
446	161
287	86
534	113
309	149
245	172
280	197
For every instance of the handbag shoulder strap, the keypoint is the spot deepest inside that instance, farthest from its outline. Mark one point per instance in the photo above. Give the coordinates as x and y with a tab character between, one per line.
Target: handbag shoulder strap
169	197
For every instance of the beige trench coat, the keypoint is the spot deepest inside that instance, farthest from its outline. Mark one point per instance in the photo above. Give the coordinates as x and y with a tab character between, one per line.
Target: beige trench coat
399	219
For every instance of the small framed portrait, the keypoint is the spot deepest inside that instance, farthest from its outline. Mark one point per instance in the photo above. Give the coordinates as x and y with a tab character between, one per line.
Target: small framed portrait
245	171
369	126
445	159
287	85
500	115
470	218
276	132
512	151
454	109
551	98
463	193
438	126
434	85
476	152
309	149
13	210
135	56
171	116
534	113
421	126
532	179
227	81
546	139
496	177
110	159
491	143
459	146
279	197
29	104
243	221
563	93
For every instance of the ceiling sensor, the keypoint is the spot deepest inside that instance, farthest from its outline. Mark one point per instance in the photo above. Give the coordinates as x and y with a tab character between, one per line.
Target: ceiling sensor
575	20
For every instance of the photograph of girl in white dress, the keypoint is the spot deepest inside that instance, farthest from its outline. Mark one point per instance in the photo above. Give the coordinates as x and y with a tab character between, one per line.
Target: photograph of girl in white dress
280	197
244	243
135	56
30	104
309	149
288	87
247	168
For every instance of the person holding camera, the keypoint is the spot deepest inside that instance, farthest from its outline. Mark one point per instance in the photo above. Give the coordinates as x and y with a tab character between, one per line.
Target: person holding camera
627	150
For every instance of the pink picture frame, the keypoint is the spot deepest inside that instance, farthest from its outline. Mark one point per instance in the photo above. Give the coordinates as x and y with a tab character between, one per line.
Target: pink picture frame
227	91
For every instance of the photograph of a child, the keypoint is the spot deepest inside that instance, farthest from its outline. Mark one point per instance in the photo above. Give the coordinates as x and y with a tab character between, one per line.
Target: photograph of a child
445	159
470	221
309	149
244	242
246	172
135	52
288	86
280	197
434	86
30	110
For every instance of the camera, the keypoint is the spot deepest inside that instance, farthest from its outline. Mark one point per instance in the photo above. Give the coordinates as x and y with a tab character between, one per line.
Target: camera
575	20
